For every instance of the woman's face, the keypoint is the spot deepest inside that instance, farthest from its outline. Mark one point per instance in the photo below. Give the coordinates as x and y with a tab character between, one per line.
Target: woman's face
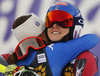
56	33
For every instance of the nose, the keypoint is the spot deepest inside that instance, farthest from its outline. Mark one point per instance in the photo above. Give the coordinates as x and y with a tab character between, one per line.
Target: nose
55	25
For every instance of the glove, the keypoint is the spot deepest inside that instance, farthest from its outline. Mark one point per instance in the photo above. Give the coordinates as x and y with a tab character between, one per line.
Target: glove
24	71
9	70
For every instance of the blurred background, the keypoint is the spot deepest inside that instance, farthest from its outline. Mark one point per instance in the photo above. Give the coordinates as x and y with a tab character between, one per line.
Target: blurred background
12	9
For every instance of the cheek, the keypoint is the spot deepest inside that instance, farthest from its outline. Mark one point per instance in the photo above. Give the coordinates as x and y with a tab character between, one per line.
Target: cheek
48	32
66	31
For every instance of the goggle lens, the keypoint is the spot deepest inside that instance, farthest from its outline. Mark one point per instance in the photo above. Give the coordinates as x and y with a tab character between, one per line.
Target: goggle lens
62	18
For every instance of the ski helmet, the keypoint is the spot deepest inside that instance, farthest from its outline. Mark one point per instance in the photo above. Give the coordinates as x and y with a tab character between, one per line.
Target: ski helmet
78	21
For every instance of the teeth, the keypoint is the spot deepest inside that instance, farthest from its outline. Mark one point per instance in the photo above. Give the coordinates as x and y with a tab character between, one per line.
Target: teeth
55	32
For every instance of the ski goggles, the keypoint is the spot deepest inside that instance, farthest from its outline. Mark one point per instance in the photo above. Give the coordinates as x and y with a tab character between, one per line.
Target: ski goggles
62	18
22	48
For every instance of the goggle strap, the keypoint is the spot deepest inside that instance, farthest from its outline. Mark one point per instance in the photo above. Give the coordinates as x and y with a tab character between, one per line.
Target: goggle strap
78	21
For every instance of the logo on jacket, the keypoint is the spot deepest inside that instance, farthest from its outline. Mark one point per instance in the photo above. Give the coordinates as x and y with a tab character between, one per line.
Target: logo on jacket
41	58
51	46
80	67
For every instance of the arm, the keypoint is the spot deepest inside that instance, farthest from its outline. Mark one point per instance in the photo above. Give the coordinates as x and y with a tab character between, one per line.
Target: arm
86	65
